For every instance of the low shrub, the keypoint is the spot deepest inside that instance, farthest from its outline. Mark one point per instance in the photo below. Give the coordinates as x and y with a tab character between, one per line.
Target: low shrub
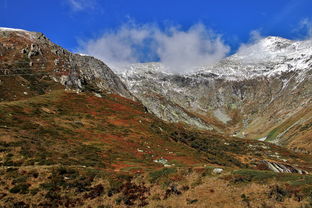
156	175
20	189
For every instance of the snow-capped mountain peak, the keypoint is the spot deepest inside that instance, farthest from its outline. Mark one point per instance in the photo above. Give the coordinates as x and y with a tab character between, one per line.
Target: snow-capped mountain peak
271	70
270	56
267	57
271	49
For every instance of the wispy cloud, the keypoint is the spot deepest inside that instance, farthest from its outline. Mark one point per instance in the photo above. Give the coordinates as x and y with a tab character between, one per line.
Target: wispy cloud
254	37
251	51
306	26
180	50
81	5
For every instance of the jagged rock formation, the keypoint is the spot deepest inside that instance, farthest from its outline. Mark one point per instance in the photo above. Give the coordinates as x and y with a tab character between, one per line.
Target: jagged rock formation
246	94
26	54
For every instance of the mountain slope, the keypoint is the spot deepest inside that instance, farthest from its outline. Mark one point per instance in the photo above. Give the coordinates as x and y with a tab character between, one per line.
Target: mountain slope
247	94
32	65
64	149
71	135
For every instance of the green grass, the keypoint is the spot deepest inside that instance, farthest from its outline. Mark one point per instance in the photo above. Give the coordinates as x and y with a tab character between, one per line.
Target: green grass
255	175
157	175
272	135
264	176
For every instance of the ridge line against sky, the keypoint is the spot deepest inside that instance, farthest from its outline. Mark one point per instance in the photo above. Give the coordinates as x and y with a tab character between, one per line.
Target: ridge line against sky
195	31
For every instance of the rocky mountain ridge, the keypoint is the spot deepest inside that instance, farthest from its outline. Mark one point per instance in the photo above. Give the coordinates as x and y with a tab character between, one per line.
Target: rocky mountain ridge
30	53
246	94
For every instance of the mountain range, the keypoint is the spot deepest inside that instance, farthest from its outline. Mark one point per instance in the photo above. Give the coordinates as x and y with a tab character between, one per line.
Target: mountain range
261	92
74	133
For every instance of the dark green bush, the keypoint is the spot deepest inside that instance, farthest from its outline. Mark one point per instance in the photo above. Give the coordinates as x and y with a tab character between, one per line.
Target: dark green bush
20	189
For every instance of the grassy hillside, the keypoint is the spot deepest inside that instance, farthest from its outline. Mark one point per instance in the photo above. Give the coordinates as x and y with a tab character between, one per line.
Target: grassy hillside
294	132
64	149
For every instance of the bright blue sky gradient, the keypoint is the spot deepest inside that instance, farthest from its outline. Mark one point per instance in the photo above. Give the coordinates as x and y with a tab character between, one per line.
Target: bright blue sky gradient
66	24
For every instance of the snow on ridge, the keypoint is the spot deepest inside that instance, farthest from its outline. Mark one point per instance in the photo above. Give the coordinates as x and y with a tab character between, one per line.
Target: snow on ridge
141	68
19	32
268	57
83	54
12	29
272	49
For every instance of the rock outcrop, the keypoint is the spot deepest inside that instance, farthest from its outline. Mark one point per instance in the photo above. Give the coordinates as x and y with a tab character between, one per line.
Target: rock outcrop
283	168
29	57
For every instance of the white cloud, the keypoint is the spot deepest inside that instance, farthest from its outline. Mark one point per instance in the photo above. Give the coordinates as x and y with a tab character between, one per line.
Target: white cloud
251	51
184	50
118	47
180	50
254	37
80	5
306	26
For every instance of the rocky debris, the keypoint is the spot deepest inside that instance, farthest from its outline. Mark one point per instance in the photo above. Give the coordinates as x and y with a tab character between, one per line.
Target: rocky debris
34	51
217	170
47	110
161	160
56	62
283	168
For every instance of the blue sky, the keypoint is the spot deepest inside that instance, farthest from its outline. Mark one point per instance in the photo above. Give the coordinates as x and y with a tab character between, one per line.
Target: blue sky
74	23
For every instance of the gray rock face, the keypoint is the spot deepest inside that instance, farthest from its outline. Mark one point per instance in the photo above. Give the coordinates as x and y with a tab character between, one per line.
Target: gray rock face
171	112
94	72
156	90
